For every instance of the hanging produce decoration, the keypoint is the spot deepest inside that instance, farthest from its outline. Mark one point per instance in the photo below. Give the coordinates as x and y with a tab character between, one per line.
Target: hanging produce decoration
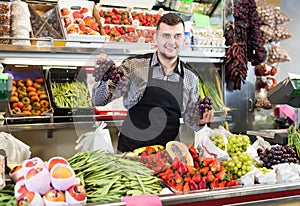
273	31
244	38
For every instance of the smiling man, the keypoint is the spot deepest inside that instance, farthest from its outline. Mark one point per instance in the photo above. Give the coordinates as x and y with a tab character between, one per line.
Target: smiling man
157	88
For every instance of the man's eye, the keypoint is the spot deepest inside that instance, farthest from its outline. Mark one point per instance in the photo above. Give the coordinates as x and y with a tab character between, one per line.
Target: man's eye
178	36
166	36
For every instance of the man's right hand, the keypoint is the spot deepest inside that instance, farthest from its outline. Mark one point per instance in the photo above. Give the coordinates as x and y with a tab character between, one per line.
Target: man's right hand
103	64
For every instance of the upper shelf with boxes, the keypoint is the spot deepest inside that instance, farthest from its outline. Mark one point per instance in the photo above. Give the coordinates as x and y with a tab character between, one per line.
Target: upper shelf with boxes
80	23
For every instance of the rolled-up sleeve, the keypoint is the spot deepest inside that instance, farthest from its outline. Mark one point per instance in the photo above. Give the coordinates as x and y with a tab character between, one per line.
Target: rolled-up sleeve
100	94
192	85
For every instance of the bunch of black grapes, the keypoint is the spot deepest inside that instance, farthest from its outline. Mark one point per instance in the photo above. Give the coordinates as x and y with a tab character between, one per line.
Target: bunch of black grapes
276	155
196	109
107	70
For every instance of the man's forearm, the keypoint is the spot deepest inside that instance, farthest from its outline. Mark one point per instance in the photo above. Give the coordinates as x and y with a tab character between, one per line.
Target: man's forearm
100	94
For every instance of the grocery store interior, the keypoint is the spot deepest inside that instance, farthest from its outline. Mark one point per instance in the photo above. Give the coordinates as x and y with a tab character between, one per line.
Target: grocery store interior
245	54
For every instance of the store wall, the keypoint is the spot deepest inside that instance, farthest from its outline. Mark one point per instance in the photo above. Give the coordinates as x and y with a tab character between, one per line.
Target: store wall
291	8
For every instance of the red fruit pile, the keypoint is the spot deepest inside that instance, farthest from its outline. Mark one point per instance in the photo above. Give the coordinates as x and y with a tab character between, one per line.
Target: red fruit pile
207	173
156	160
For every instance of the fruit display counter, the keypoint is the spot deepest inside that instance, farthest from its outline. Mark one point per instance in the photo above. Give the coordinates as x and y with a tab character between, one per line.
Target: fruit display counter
153	173
287	194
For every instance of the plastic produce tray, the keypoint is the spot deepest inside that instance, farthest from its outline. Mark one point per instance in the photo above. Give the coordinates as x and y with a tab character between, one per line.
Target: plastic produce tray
62	76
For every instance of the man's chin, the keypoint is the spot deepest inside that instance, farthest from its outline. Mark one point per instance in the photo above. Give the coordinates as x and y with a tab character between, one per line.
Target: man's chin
170	55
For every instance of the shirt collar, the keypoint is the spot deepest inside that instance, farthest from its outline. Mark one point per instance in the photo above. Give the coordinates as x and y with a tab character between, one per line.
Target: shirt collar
154	62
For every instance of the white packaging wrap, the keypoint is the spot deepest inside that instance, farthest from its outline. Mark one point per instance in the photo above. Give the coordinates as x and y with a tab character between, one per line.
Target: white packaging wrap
268	178
286	172
98	140
16	151
203	141
248	179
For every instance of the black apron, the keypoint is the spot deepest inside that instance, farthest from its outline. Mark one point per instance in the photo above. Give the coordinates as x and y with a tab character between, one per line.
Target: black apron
155	118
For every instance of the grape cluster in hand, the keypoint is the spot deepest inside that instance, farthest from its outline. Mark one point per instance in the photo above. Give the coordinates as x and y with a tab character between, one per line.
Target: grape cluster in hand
277	155
101	67
106	70
196	109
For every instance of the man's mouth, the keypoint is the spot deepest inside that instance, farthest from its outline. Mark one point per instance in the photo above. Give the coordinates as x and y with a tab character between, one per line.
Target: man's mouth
170	48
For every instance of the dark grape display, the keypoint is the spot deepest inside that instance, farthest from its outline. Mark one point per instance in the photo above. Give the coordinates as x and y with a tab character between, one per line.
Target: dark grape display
196	109
276	155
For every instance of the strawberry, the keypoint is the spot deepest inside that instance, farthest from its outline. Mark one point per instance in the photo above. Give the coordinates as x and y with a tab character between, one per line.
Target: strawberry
203	171
191	169
214	184
187	178
182	169
207	161
210	176
193	185
202	183
222	184
179	187
178	177
114	10
196	177
186	187
222	176
215	165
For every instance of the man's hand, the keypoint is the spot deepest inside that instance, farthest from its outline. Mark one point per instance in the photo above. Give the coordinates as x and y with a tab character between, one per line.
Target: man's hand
103	64
200	112
208	116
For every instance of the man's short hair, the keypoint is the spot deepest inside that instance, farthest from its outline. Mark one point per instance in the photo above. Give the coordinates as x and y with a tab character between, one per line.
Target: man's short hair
170	19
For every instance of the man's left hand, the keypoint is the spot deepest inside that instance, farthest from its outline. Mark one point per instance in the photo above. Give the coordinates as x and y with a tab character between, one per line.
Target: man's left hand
208	116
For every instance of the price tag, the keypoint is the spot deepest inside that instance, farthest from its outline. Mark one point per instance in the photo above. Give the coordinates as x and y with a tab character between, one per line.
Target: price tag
201	20
139	200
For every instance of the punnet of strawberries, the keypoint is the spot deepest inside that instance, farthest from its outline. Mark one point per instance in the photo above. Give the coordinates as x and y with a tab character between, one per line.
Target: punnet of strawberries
157	160
207	173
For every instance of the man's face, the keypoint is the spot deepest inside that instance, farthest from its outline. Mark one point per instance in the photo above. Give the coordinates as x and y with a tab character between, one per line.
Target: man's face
169	40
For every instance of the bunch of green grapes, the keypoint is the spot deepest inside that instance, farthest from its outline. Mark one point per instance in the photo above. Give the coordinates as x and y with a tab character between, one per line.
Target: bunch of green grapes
264	170
240	164
237	143
217	139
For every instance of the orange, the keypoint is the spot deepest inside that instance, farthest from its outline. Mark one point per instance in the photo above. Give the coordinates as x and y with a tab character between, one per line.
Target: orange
62	172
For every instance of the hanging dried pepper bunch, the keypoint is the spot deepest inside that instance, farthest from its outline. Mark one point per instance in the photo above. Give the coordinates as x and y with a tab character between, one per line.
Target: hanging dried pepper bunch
244	38
236	65
256	51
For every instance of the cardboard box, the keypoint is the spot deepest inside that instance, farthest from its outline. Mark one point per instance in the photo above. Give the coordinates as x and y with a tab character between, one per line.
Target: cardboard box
29	95
145	4
78	31
46	23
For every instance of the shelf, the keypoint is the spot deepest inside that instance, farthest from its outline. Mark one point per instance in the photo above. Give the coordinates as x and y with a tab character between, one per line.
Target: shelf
85	56
251	195
61	122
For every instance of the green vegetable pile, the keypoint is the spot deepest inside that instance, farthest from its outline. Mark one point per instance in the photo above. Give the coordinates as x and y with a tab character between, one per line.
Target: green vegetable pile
7	197
294	139
71	94
108	177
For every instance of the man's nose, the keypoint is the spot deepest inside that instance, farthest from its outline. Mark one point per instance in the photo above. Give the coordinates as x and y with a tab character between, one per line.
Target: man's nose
172	39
